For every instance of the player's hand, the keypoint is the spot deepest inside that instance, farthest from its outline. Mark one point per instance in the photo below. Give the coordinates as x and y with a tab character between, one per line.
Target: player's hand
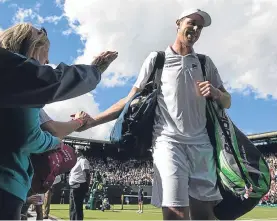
103	61
206	89
90	123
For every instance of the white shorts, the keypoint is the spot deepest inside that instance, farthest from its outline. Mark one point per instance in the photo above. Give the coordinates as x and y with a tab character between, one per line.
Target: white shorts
181	171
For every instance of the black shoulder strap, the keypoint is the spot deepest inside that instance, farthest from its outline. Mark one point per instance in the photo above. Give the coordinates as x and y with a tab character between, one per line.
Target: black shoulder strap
202	59
159	64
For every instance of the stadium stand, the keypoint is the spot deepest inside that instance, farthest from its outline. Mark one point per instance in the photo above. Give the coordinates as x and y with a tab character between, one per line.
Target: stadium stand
123	169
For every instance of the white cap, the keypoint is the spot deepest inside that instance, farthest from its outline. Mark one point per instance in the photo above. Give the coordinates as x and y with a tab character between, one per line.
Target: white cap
204	15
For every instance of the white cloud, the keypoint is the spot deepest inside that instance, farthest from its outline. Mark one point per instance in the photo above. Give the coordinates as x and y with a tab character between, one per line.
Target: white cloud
22	15
3	1
59	3
67	32
61	111
37	6
240	41
53	19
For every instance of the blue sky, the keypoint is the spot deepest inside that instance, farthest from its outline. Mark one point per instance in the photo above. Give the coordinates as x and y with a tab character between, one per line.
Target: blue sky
252	112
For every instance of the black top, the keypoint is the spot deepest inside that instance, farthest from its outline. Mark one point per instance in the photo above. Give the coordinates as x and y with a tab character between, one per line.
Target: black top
26	83
140	192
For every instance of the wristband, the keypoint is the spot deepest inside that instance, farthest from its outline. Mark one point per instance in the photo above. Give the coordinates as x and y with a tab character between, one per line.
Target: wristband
80	121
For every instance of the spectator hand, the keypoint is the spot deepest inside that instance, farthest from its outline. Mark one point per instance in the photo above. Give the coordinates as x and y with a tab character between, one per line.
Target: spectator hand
103	60
34	199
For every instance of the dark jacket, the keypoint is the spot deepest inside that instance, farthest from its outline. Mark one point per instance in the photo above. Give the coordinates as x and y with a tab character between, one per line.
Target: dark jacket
26	83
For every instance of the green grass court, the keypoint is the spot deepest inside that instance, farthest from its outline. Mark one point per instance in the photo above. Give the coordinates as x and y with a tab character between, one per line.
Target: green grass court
150	213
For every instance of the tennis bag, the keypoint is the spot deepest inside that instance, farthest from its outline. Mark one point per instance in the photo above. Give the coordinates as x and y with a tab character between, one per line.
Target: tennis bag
51	164
133	129
243	174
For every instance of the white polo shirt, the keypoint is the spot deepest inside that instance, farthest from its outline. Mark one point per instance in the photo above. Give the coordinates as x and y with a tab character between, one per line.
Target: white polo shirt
77	174
181	111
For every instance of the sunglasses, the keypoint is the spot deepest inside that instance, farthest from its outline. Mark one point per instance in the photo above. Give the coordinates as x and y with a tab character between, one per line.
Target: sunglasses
43	30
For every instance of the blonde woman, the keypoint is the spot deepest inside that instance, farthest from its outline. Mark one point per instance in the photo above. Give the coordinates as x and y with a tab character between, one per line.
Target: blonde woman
21	134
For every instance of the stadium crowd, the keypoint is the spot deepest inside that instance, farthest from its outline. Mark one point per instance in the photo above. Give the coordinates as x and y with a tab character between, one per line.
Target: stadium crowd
137	172
271	197
132	172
